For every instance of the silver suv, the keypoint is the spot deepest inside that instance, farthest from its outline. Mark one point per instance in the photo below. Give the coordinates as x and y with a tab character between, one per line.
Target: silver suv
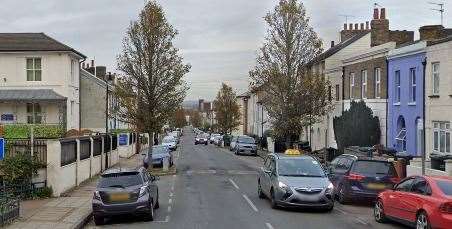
121	192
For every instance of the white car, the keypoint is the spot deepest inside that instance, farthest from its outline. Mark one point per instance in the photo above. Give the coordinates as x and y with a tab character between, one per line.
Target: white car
175	135
212	137
170	141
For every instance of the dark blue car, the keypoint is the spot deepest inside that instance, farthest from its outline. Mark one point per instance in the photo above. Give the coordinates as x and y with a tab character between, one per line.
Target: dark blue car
159	152
357	178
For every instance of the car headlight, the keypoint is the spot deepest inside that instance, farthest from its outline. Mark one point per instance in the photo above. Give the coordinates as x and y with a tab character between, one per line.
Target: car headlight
143	190
96	195
330	188
282	185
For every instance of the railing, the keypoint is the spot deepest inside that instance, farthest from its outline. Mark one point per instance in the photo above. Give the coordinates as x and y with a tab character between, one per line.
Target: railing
23	146
9	210
68	152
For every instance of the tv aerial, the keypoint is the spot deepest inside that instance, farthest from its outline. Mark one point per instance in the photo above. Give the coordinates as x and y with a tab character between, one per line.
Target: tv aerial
440	9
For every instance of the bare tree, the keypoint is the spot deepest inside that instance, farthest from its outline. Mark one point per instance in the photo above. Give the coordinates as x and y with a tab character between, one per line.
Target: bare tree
292	95
178	119
227	111
152	86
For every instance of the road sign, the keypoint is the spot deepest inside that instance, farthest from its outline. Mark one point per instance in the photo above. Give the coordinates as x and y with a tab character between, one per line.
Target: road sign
123	139
2	148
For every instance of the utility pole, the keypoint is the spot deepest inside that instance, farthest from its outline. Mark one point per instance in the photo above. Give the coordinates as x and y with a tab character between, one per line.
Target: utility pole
440	10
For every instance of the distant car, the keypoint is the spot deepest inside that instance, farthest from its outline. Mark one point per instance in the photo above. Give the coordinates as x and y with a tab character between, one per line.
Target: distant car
217	140
212	137
124	192
159	153
170	141
201	139
418	201
233	142
295	181
245	145
175	135
361	178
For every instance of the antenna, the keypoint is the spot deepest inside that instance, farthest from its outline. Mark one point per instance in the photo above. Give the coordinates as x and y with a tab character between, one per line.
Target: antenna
346	16
440	10
376	5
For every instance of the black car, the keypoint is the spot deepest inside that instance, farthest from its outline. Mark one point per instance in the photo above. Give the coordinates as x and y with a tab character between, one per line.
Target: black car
123	192
361	178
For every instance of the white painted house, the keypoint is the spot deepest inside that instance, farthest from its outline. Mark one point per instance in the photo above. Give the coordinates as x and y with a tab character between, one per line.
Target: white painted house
39	80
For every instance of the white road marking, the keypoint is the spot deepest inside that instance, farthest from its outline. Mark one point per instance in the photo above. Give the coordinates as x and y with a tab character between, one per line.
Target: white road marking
169	208
269	226
209	171
167	218
250	203
341	211
234	184
171	194
170	201
361	221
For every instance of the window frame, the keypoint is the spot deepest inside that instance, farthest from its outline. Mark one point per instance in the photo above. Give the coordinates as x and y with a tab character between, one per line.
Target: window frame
36	112
401	137
397	86
377	78
413	85
34	69
436	78
364	84
408	179
442	133
337	92
352	84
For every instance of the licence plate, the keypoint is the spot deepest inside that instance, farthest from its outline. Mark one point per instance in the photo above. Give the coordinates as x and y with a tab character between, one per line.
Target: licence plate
376	186
119	197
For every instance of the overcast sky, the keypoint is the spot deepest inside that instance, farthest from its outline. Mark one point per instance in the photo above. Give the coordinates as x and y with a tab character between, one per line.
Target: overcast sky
219	38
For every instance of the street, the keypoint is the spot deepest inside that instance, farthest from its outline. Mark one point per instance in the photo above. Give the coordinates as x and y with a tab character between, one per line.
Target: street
214	188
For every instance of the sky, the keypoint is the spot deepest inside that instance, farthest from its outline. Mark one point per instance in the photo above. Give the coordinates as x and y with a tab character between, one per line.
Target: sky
219	38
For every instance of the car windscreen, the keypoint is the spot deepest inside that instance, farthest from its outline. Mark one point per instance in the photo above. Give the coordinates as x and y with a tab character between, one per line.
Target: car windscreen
445	186
303	167
159	150
245	140
119	180
168	140
374	168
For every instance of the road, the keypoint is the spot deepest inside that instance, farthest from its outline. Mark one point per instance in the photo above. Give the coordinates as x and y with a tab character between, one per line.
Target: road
216	189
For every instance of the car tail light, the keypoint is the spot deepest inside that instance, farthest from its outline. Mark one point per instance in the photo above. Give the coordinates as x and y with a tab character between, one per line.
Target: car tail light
446	207
394	180
354	176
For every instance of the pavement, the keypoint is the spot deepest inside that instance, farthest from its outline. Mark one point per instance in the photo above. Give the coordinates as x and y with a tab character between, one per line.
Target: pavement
71	211
214	188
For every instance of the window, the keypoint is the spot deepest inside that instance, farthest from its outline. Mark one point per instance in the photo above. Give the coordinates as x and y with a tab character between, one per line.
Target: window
337	92
420	186
329	93
364	84
72	71
352	84
435	70
412	85
397	86
377	75
34	71
405	185
401	138
34	115
441	137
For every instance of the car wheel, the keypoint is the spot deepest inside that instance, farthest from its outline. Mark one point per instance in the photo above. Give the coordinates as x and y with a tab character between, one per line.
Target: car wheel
273	199
205	143
342	198
150	215
330	208
99	220
237	152
379	213
157	204
422	221
259	190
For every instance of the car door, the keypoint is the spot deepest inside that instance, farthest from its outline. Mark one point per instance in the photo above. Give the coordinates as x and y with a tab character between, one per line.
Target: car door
153	187
393	206
338	169
266	172
414	200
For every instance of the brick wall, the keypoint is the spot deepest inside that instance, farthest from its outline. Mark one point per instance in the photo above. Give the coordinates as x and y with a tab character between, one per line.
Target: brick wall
370	66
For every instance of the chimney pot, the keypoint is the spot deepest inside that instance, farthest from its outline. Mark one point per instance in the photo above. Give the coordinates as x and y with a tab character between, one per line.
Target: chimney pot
383	13
350	26
332	44
92	63
345	26
83	65
367	25
87	65
376	14
362	26
356	26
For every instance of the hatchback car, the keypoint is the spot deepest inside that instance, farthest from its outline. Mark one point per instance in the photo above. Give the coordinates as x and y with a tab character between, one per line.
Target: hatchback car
159	153
245	145
232	143
295	181
212	137
201	139
361	177
123	192
170	142
420	201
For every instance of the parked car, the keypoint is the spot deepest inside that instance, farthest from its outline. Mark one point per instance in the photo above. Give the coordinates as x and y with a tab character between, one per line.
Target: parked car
420	201
124	192
159	153
201	139
170	141
212	137
175	135
217	140
361	178
233	142
295	181
245	145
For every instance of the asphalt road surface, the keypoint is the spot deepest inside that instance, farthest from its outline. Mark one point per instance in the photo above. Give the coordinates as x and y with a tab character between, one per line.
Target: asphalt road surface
215	189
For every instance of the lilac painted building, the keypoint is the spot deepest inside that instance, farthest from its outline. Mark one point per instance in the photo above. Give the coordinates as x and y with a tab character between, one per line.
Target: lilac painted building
405	97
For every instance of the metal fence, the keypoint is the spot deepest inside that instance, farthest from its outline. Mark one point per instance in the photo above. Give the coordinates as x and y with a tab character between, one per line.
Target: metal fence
68	152
107	141
97	146
85	148
23	146
9	210
114	142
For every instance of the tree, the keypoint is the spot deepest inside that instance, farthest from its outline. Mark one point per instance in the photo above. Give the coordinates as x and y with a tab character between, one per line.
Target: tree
357	127
195	118
293	96
178	120
152	86
227	111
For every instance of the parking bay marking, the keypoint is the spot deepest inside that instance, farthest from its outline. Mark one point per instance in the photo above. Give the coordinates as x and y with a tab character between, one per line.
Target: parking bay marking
269	226
250	203
234	184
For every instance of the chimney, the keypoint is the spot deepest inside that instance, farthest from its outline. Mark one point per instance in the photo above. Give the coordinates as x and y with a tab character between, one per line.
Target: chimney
87	66
362	26
432	32
332	44
83	65
383	14
376	16
92	63
367	25
345	26
350	26
356	26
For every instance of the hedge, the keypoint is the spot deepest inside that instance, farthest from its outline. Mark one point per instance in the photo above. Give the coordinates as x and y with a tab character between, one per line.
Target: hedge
40	131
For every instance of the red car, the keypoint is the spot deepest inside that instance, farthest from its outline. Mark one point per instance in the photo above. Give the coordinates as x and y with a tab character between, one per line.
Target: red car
421	201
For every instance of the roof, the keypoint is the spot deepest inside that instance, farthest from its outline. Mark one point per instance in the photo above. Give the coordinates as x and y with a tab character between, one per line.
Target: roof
333	50
122	170
30	95
439	41
21	42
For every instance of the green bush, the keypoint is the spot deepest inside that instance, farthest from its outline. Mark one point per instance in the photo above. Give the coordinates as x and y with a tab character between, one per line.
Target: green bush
40	131
44	192
19	167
